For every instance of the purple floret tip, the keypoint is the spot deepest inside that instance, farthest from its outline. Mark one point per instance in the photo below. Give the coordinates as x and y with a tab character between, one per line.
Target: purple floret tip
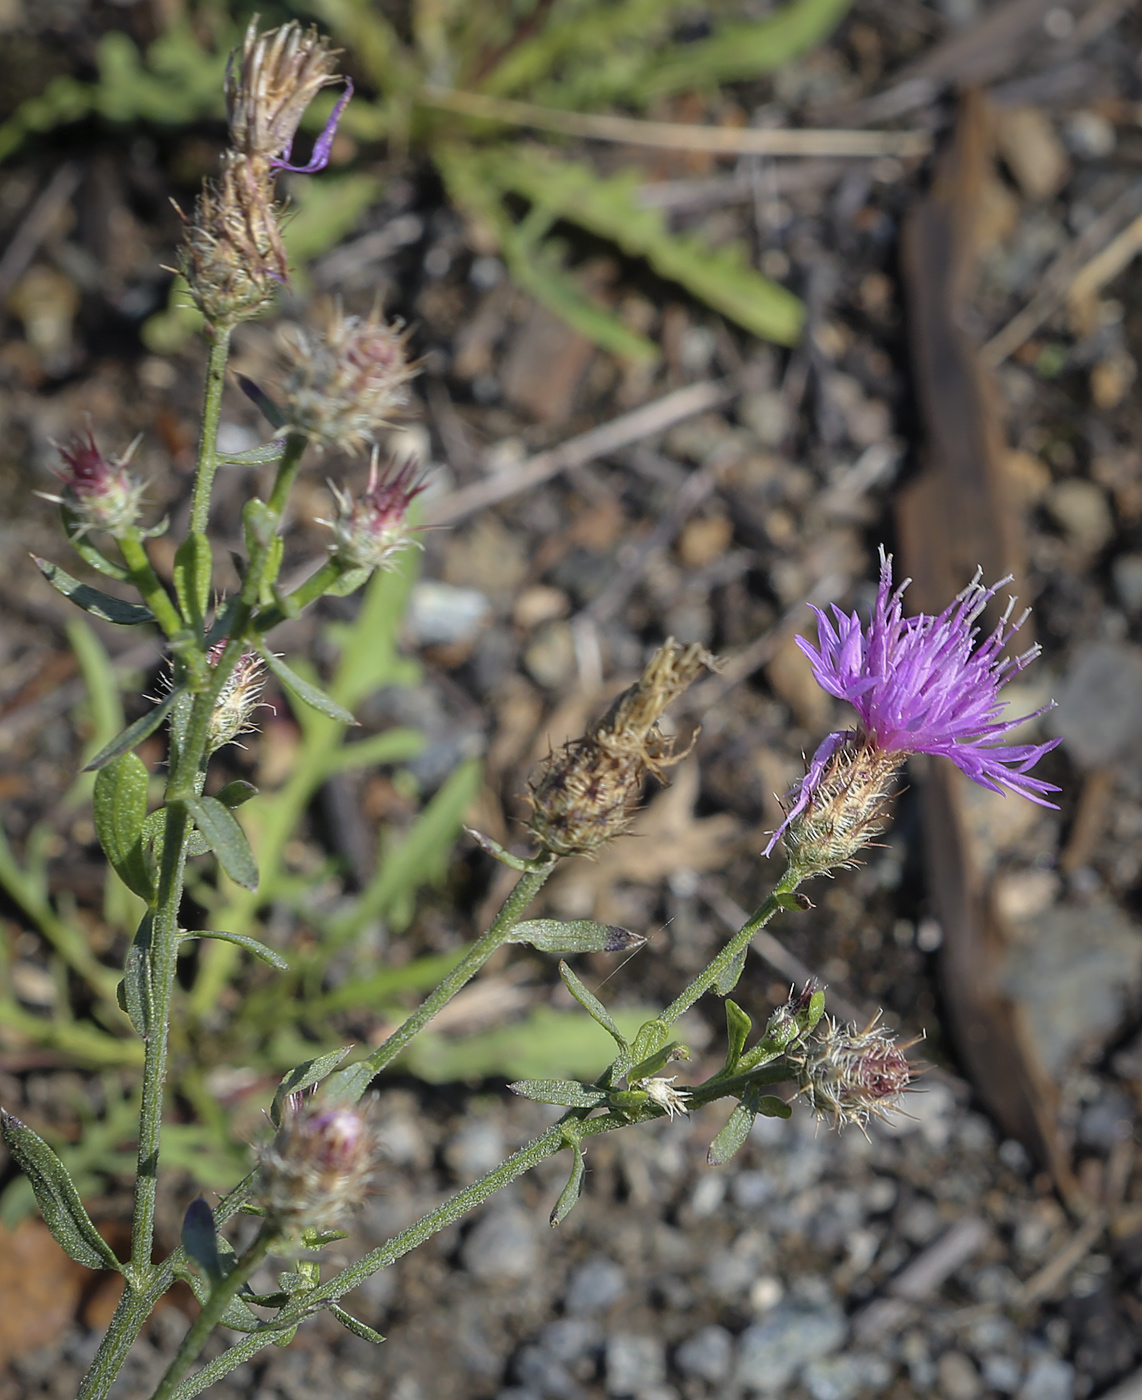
324	143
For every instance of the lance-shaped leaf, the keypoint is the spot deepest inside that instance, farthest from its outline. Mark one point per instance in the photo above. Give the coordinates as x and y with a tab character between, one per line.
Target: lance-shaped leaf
200	1239
569	1196
134	992
738	1027
595	1008
309	694
576	936
242	940
305	1076
134	734
652	1036
55	1192
568	1093
659	1060
193	567
120	810
731	1137
355	1325
770	1106
256	394
235	793
260	456
225	838
92	600
730	976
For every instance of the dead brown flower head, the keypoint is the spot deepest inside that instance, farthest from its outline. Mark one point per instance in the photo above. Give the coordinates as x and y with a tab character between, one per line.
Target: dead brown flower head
590	790
851	1076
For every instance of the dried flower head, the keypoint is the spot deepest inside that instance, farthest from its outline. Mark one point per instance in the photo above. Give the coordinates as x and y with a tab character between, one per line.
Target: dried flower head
661	1091
269	84
342	383
319	1166
590	790
917	686
233	257
851	1076
240	697
370	532
99	491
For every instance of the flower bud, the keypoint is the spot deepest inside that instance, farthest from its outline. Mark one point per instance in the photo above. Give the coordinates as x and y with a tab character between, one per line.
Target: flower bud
590	790
850	1075
240	697
99	491
342	383
842	799
318	1168
370	532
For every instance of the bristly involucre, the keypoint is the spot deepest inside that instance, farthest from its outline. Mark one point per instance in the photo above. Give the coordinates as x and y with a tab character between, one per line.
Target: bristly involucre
99	491
919	685
372	531
851	1076
319	1167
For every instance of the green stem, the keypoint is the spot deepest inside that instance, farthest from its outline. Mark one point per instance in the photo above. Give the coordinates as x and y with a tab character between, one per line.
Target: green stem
315	586
222	1295
147	582
162	958
208	442
711	975
361	1075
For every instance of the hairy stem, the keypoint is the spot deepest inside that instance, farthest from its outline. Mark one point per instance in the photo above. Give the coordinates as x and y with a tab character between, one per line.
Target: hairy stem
208	442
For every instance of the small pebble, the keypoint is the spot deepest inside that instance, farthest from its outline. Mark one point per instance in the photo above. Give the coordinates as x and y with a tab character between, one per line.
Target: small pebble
1127	574
1089	135
634	1363
502	1245
708	1354
594	1286
1048	1379
958	1378
771	1353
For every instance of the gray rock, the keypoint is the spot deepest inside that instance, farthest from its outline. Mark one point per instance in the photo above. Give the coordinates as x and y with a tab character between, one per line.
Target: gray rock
709	1354
595	1285
846	1376
476	1148
1127	573
773	1352
1001	1373
545	1375
1049	1378
569	1339
502	1245
1097	714
634	1364
440	613
958	1378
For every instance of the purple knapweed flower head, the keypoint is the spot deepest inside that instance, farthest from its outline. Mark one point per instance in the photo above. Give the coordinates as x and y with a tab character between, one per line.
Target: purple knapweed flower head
919	685
372	531
320	1166
98	490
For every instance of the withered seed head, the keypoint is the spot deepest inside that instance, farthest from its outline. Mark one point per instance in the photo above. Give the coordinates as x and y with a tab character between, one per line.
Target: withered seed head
851	1076
590	790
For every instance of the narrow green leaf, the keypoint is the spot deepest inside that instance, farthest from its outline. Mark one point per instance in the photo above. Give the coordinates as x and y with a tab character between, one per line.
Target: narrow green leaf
225	838
355	1325
200	1239
92	600
309	694
569	1196
242	940
731	1137
255	456
730	976
305	1076
577	936
593	1006
120	810
738	1027
391	746
256	394
134	734
134	991
193	568
88	552
651	1037
567	1092
659	1060
59	1202
770	1106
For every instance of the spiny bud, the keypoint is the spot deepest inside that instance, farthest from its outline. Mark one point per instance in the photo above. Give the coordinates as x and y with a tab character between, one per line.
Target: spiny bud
844	796
98	490
240	697
797	1016
591	788
850	1075
318	1168
371	532
342	383
269	84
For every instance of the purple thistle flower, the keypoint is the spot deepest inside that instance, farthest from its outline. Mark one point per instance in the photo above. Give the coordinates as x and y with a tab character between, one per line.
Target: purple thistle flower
918	687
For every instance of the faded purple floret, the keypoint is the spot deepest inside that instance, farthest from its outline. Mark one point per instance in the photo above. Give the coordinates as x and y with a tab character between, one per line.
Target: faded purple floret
919	687
324	143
